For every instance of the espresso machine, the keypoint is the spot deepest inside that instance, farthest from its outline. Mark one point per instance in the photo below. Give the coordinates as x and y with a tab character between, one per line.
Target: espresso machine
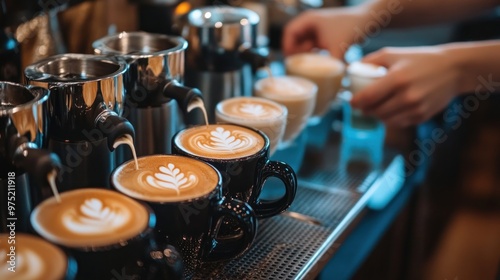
222	56
84	122
156	101
24	165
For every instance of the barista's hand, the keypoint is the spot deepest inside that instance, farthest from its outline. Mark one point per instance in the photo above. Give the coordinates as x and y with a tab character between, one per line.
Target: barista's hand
332	29
419	83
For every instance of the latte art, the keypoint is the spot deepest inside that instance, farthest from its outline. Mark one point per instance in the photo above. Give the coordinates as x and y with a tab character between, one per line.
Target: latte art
34	259
93	217
220	141
28	265
171	178
255	112
90	217
165	178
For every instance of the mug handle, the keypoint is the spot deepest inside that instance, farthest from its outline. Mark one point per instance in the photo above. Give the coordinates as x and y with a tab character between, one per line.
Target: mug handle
284	172
245	219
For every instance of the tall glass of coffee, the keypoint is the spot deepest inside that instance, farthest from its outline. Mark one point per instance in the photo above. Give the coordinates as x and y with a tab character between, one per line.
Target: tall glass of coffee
186	195
241	154
108	234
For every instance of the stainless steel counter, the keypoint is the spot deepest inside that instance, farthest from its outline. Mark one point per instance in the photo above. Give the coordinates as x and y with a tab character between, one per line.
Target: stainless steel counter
332	194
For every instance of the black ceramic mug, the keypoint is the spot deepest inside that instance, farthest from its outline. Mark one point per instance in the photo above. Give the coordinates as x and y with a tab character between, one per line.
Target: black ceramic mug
241	154
186	195
109	235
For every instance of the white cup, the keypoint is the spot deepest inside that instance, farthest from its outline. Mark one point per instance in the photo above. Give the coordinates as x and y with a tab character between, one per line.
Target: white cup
297	94
263	114
324	70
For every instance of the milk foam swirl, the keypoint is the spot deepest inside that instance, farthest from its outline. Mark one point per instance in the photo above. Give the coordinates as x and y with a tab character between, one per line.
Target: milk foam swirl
35	259
93	217
29	265
221	140
253	109
171	177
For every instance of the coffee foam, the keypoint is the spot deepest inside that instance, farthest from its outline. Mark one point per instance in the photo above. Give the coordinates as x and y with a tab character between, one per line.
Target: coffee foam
251	108
362	75
36	259
308	64
366	70
221	141
90	217
165	178
259	113
286	88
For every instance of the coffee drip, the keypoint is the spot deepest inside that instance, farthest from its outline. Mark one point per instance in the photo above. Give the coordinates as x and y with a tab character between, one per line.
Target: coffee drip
129	141
153	83
24	163
84	122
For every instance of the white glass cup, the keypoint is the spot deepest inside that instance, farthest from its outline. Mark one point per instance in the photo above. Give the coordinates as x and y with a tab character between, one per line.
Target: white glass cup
322	69
259	113
297	94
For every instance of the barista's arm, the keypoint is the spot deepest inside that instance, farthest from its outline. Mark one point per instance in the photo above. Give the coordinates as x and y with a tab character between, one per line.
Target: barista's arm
407	13
335	29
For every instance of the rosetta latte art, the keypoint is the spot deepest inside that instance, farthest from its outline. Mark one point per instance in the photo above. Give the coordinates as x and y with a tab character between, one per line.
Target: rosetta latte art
221	140
29	265
172	178
93	217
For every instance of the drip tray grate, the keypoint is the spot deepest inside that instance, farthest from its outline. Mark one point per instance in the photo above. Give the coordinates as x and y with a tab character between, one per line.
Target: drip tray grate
286	244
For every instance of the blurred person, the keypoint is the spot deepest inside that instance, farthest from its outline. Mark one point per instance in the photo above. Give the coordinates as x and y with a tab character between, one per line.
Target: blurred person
421	81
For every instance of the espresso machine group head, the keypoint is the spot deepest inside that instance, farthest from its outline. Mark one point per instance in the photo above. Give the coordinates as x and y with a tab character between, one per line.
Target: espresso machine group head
24	164
154	81
84	122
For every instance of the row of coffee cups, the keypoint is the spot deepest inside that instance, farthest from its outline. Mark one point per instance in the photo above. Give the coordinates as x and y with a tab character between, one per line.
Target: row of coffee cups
200	204
282	106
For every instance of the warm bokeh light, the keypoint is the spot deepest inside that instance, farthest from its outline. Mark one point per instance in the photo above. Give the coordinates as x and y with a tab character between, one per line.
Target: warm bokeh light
182	8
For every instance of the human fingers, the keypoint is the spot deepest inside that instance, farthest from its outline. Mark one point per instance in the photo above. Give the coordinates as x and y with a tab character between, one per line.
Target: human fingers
298	33
383	57
373	95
